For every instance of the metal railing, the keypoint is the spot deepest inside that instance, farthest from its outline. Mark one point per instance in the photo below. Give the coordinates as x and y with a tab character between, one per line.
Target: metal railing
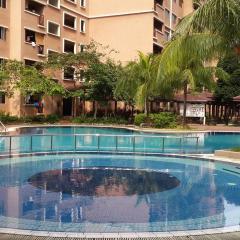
3	127
97	143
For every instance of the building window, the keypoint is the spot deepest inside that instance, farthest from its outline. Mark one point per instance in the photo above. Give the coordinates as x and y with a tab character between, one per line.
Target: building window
81	48
53	28
3	33
68	73
30	36
32	99
72	1
54	3
174	19
82	26
69	21
3	4
83	3
167	14
34	7
2	97
29	62
69	46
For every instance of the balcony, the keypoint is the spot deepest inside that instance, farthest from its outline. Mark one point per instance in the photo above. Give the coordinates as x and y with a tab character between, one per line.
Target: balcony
159	11
37	9
36	40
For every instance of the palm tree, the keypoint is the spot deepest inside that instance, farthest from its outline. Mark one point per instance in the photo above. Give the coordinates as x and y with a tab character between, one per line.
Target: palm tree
220	17
182	65
139	79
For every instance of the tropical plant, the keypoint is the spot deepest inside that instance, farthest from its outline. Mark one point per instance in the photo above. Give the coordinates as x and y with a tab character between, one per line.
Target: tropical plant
14	75
139	79
218	17
181	67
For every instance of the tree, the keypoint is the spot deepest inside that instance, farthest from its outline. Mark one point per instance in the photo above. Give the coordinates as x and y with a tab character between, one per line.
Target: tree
139	79
181	68
101	79
95	70
226	90
218	17
14	75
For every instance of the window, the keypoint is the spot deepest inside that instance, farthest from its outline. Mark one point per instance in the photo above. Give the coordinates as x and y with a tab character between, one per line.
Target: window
3	33
2	97
30	63
167	14
83	3
69	46
174	19
30	36
32	99
54	3
68	73
3	4
53	28
82	26
72	1
69	21
34	7
81	47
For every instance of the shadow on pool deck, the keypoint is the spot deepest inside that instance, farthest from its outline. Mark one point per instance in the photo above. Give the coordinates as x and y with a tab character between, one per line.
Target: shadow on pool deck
225	236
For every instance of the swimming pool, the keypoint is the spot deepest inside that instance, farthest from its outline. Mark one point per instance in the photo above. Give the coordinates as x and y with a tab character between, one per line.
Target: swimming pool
117	193
44	139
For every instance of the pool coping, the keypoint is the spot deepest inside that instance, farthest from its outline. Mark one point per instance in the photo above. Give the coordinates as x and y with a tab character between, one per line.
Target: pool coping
133	235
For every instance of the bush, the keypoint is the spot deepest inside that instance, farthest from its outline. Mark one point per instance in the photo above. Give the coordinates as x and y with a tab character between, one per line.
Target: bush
140	118
164	120
52	118
160	120
90	120
7	118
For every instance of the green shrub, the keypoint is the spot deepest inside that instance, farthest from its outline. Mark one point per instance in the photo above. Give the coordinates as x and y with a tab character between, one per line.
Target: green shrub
140	118
163	120
52	118
160	120
91	120
7	118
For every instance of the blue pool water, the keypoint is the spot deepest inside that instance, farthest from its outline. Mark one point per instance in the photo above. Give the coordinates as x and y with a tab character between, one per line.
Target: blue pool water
117	193
88	140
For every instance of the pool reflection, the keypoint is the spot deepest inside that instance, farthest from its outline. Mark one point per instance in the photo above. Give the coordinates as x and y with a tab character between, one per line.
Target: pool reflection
79	191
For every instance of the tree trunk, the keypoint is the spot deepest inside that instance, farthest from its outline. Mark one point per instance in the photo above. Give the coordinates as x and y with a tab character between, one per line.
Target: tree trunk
185	105
95	109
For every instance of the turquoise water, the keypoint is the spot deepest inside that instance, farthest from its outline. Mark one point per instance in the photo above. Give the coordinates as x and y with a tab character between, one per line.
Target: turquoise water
88	139
117	193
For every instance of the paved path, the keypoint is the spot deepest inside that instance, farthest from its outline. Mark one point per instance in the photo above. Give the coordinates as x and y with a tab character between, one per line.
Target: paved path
225	236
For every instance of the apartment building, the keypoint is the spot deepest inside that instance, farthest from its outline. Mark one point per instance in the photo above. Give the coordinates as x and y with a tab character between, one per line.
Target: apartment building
30	30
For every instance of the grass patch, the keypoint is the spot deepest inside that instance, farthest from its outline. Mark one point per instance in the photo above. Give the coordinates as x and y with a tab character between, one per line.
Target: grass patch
235	149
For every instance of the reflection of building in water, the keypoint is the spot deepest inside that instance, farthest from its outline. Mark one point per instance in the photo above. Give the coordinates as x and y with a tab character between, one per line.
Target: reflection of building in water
195	197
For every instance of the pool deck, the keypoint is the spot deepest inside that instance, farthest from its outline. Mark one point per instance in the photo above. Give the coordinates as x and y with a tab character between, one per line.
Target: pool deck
220	236
192	127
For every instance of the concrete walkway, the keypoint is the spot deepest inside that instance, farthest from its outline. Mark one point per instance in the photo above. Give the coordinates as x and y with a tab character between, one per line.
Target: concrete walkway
225	236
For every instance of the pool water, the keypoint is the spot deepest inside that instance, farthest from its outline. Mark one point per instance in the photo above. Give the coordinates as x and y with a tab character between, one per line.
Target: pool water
117	193
88	140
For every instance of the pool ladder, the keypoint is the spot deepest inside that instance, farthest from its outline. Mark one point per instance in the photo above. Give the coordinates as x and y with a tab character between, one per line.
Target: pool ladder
3	127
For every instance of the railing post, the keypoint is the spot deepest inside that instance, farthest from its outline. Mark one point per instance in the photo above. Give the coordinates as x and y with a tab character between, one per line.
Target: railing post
75	142
163	144
51	142
31	143
134	141
10	144
197	143
116	141
98	142
181	144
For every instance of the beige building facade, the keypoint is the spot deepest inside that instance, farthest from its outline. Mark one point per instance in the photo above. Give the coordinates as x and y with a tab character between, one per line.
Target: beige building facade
30	30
